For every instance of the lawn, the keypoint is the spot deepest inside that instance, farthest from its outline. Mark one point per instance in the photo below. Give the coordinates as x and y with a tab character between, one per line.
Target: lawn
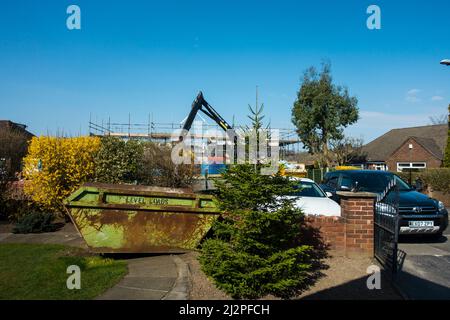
38	271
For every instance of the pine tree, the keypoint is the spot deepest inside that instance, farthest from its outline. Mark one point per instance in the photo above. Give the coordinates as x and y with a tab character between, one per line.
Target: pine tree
256	116
259	247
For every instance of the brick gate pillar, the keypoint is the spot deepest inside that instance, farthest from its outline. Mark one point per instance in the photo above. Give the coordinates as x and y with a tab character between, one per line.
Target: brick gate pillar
358	213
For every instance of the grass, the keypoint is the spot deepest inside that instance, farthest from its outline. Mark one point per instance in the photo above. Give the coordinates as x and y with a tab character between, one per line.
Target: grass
38	271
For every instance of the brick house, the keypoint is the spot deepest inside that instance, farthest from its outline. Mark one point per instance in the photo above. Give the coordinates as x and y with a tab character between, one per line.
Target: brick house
415	147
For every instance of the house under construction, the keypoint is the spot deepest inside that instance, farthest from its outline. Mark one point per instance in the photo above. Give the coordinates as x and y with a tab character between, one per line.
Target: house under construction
201	131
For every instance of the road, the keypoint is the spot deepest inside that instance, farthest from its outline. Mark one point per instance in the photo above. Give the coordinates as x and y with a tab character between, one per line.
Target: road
425	271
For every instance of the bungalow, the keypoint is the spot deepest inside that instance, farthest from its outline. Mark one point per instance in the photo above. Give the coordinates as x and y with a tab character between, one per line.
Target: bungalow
407	148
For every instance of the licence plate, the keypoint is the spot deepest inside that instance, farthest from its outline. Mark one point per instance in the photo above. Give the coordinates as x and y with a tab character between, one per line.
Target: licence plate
421	224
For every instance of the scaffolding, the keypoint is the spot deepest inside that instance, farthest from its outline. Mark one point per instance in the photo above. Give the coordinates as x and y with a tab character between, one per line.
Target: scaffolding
165	133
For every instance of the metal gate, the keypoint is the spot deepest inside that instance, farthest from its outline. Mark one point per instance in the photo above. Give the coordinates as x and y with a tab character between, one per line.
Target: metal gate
386	231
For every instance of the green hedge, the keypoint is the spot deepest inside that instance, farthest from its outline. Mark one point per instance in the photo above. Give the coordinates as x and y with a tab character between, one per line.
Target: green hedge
438	179
406	175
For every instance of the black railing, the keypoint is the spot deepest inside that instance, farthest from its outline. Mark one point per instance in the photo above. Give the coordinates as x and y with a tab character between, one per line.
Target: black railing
386	231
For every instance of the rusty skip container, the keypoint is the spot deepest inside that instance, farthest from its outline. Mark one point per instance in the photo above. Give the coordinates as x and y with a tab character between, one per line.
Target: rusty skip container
115	218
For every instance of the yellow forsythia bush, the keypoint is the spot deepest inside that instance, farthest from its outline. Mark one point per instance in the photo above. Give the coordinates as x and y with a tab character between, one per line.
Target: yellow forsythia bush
55	167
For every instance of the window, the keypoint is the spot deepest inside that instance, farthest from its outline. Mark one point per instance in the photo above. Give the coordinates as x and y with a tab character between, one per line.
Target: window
380	166
370	181
410	165
402	185
308	189
346	183
333	182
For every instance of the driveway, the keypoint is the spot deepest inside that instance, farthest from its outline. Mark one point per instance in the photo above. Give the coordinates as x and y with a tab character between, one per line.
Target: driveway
425	271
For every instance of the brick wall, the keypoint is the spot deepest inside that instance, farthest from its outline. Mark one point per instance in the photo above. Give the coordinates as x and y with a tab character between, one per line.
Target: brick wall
358	213
332	230
418	154
352	233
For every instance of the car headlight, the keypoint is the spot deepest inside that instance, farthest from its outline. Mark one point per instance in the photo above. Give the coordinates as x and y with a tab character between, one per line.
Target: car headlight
441	206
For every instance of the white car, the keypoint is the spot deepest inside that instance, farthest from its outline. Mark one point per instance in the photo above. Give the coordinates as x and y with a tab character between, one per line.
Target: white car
313	200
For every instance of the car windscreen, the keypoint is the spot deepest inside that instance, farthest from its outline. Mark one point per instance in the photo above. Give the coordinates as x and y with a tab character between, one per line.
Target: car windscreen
402	185
373	182
307	189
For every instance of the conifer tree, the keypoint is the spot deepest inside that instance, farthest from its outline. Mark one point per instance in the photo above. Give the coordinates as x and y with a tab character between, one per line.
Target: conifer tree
259	246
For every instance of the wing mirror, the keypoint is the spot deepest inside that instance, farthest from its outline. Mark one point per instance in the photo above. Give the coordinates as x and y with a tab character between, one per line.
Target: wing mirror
345	188
329	194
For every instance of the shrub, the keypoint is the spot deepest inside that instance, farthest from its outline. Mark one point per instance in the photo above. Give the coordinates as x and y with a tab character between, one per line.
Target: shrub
3	188
17	203
257	247
133	161
14	203
15	209
117	160
157	168
438	179
36	222
55	167
405	175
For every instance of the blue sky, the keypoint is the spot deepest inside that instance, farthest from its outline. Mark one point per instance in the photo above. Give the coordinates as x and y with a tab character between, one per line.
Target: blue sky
152	57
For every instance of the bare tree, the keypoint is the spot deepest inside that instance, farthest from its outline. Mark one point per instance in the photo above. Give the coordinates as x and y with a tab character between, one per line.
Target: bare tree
13	147
347	149
158	169
441	119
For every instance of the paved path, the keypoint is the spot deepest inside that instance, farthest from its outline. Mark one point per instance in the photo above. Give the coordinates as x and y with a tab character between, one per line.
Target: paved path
425	273
161	277
152	277
66	236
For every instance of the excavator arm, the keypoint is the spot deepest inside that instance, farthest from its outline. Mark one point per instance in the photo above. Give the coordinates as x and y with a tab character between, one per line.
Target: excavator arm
200	104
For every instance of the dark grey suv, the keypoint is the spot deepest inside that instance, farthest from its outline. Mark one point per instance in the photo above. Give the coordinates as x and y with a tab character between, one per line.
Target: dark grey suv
420	214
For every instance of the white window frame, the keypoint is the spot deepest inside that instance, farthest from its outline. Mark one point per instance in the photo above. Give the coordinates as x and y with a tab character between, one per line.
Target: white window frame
380	167
411	165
